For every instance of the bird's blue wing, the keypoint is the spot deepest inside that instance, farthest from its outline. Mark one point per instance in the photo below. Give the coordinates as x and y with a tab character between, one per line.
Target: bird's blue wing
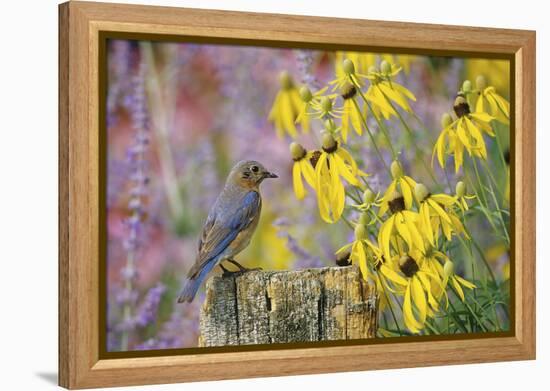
222	229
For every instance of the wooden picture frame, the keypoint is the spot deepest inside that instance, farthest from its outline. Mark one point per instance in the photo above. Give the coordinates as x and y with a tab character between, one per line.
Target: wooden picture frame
80	361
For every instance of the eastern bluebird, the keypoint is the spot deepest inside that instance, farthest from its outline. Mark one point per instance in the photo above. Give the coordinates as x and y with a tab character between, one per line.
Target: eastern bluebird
229	225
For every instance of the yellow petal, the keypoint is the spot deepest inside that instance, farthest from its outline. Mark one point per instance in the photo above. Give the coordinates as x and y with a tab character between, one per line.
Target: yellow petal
427	224
410	321
394	96
393	276
464	282
403	230
407	193
385	235
444	199
439	210
297	181
360	257
419	298
344	171
287	115
458	288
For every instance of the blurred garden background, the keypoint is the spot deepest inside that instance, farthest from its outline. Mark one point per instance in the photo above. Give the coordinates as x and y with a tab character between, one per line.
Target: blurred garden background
179	115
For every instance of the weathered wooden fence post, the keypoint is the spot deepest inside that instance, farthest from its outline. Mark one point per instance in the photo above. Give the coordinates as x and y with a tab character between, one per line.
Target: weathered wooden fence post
262	307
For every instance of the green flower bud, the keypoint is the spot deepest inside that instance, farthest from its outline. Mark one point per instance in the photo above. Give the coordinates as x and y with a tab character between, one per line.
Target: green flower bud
285	80
297	151
368	196
448	268
446	120
348	67
364	219
326	104
330	126
328	141
385	67
421	192
395	169
460	100
372	69
360	232
481	82
460	189
467	86
305	94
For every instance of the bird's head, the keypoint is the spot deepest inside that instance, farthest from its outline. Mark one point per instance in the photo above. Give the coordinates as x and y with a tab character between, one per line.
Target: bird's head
249	174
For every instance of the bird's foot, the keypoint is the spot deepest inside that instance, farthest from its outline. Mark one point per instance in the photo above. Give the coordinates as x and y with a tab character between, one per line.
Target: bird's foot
243	269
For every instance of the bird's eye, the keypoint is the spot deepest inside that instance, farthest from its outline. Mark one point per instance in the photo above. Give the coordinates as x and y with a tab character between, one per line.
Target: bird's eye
254	168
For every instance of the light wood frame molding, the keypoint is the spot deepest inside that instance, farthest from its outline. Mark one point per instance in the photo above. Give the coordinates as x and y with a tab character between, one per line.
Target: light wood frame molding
80	23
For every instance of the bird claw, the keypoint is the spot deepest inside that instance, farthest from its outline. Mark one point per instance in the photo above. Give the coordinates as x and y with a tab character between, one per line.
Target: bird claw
240	272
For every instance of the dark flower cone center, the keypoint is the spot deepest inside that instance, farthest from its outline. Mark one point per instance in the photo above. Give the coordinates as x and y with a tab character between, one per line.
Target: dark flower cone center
304	153
343	259
380	262
315	158
408	266
462	109
397	204
332	148
349	92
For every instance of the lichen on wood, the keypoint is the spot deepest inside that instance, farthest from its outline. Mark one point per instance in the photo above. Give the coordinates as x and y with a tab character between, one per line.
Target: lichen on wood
263	307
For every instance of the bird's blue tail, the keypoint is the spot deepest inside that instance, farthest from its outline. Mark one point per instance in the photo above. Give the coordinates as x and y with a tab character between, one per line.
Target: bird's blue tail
192	285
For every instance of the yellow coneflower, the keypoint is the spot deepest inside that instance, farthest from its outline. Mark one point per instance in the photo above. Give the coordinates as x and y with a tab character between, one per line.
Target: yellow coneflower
358	253
333	165
286	108
401	224
309	101
434	214
460	192
301	168
351	112
400	182
362	61
456	281
402	60
383	90
324	108
488	101
369	200
414	282
466	132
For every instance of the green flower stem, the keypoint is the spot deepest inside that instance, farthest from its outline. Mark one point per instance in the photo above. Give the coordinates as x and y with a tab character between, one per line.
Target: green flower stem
486	316
499	147
432	328
390	305
481	196
455	317
344	218
481	254
382	127
472	312
492	178
411	135
371	137
495	201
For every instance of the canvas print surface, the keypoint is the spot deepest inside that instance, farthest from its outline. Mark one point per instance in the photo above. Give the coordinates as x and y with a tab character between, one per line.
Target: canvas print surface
261	195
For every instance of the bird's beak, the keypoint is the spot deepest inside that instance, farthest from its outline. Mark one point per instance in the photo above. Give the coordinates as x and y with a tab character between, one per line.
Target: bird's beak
268	174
